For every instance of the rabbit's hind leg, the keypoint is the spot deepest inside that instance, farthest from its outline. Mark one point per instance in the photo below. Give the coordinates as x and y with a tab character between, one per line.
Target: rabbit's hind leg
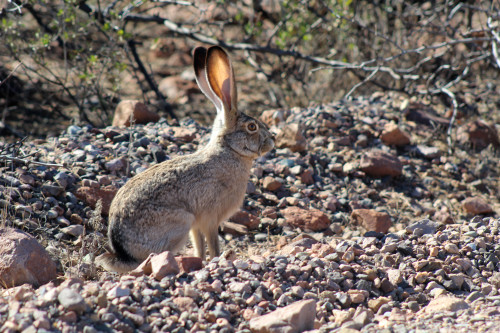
169	233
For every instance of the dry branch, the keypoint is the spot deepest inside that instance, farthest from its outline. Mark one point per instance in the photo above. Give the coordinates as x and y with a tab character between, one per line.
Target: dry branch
27	162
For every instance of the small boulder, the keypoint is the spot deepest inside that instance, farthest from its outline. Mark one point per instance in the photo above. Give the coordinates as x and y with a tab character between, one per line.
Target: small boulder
132	111
163	264
372	220
379	164
184	134
271	184
24	260
307	219
245	218
294	318
392	135
189	264
476	206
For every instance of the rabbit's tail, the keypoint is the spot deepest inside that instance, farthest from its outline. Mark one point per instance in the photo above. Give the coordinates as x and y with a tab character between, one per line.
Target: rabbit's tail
111	262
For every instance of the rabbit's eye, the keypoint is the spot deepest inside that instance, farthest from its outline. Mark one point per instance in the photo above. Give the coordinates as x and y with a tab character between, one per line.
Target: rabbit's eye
252	127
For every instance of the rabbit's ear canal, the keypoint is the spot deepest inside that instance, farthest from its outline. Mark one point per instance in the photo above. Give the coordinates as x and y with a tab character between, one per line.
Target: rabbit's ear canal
221	78
200	71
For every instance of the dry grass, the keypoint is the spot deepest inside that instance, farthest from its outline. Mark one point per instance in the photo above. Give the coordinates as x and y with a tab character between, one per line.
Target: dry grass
81	261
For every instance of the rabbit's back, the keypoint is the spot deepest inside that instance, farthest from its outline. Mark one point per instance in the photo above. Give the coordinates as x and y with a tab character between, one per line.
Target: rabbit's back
197	184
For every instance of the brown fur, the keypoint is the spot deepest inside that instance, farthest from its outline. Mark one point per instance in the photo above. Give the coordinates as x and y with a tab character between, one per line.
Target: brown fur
155	210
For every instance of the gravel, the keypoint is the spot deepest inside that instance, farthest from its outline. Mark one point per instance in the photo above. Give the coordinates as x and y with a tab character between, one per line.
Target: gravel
361	280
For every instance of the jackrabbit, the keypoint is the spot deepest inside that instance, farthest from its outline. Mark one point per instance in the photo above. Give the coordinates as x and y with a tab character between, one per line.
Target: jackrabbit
155	210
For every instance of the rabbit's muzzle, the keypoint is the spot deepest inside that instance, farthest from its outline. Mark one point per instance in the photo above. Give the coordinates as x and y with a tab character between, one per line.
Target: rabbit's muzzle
267	145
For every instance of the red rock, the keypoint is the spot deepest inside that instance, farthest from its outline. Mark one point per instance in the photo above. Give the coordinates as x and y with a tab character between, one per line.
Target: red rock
296	317
246	219
393	135
476	206
23	260
184	134
306	177
270	183
138	111
291	136
379	164
189	264
163	264
144	268
92	194
479	134
307	219
372	220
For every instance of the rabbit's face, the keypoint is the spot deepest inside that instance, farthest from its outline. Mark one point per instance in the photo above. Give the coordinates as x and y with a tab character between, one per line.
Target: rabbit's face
249	137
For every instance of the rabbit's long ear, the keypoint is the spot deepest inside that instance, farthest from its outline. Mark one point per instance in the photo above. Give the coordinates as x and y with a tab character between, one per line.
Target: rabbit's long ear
221	80
200	71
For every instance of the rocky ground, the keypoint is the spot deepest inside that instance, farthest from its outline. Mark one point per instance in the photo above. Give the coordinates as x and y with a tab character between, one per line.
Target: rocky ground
367	217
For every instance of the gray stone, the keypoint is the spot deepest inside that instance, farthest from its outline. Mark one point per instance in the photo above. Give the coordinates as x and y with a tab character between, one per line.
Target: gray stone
71	300
474	296
427	226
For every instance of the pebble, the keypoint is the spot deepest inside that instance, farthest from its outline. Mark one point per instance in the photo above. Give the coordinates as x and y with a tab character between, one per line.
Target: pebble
71	300
118	292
